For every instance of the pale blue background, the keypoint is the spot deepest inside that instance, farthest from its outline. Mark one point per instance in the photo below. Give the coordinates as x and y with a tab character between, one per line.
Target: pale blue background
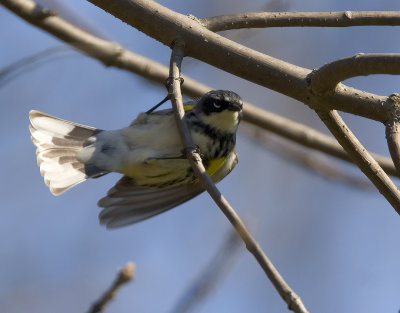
337	246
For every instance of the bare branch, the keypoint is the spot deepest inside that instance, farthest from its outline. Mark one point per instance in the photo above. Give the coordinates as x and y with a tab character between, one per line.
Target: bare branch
163	24
293	300
302	19
361	157
328	76
125	275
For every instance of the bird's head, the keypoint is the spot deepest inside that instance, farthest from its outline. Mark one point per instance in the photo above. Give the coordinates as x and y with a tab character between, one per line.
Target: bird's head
221	109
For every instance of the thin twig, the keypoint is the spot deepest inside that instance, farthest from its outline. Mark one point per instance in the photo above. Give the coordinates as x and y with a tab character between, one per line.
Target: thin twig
294	302
393	140
210	275
328	76
302	19
361	157
393	131
125	275
112	54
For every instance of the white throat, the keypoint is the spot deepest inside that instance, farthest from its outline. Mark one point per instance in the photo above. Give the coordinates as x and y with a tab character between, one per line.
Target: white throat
226	121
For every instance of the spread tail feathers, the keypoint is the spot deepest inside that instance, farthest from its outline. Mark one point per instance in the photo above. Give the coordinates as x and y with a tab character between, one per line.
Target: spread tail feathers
58	142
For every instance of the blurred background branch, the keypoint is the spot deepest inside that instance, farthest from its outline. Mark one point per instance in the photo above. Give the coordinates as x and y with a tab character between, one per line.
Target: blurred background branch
125	275
32	62
308	160
210	276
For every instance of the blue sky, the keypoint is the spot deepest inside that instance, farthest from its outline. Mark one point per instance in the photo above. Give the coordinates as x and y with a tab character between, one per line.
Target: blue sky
337	246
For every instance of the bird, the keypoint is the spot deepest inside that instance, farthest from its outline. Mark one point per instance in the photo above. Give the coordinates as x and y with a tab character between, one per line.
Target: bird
148	153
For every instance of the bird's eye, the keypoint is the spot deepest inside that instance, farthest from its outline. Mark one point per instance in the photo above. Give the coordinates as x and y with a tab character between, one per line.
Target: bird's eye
216	105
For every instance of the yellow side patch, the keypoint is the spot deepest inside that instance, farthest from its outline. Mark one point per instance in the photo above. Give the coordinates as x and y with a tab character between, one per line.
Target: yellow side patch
214	165
188	107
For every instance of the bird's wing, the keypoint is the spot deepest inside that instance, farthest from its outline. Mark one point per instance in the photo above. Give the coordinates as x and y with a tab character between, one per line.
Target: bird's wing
127	203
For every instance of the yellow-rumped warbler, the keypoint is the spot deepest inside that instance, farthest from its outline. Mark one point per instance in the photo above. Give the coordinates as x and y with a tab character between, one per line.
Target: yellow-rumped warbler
157	176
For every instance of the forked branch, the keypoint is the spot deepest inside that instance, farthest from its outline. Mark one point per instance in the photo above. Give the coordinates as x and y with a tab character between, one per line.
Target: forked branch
163	24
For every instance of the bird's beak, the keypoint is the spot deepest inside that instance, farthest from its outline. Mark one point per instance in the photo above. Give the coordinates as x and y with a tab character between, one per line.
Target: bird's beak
235	106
